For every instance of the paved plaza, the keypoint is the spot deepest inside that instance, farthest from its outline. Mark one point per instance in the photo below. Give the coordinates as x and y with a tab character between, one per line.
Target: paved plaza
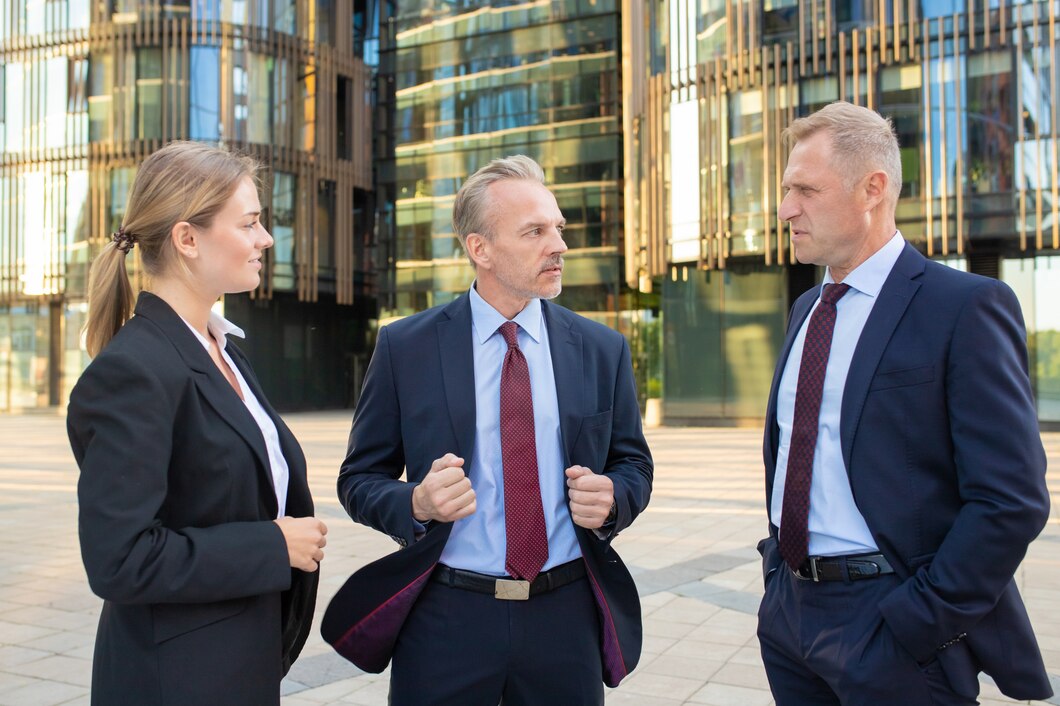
692	553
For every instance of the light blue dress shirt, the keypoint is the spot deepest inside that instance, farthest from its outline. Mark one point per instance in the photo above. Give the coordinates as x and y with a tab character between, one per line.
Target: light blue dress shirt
836	525
479	542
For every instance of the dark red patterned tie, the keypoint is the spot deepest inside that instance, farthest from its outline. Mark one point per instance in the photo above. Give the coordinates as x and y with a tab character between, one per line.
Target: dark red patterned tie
794	516
524	518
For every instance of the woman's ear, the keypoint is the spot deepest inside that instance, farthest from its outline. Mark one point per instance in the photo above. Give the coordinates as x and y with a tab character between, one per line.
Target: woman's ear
185	239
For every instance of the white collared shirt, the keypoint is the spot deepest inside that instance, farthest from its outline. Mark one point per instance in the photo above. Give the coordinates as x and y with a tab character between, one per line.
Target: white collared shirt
219	327
836	526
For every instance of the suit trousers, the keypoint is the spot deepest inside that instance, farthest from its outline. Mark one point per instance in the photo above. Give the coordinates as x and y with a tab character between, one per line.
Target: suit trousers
462	648
827	644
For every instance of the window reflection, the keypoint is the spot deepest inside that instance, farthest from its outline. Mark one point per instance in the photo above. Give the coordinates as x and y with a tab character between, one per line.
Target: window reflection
204	94
283	225
901	101
149	93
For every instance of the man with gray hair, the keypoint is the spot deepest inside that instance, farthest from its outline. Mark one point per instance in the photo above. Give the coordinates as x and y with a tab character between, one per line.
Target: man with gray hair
516	424
905	475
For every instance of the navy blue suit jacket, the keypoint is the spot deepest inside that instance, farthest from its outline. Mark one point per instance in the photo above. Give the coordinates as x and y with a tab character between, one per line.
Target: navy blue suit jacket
418	403
941	443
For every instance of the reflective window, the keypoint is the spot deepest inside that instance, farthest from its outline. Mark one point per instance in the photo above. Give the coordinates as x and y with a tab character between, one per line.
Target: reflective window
326	227
204	94
149	93
14	101
901	101
325	21
284	16
991	103
745	170
283	224
284	108
100	98
854	14
712	29
780	19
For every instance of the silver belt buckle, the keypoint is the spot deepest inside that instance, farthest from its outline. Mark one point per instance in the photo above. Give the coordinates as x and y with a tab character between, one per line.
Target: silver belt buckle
813	569
512	590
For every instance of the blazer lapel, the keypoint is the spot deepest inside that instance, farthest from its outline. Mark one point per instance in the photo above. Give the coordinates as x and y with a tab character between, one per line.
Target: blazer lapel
565	347
894	299
208	379
458	373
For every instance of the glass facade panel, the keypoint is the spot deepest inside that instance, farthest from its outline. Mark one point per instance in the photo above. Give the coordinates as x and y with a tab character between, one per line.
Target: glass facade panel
284	191
901	101
149	93
100	98
482	80
13	103
205	94
745	171
1036	282
723	332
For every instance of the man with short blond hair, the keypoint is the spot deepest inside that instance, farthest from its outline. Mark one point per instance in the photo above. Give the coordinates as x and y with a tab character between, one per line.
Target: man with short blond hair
905	475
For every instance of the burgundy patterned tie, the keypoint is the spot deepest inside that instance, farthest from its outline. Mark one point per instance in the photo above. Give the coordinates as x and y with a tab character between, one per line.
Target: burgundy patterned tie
524	518
795	513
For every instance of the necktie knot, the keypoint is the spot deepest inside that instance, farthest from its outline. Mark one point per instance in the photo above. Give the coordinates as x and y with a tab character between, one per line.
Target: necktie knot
833	292
510	331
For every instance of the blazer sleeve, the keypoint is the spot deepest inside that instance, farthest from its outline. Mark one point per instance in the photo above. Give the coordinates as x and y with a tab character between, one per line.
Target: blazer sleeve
368	484
629	463
120	422
1000	478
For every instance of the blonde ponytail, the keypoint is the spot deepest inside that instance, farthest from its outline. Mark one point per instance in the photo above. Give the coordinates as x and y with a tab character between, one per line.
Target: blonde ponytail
182	182
110	298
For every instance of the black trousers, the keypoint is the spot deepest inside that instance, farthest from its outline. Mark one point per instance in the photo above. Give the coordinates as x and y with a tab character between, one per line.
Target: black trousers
461	648
826	644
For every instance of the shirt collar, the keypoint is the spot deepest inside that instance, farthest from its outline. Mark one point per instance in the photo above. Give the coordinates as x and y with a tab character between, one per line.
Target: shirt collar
487	320
219	327
869	276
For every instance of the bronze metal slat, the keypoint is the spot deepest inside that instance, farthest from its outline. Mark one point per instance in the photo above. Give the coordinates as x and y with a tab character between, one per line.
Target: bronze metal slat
778	90
959	177
1054	86
1038	152
802	36
815	32
929	182
943	181
767	130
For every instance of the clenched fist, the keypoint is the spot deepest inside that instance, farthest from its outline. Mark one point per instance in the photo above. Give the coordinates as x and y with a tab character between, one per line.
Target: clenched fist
591	497
445	495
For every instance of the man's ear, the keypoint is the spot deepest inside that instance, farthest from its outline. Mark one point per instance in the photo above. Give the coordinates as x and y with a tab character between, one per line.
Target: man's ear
875	188
478	250
185	239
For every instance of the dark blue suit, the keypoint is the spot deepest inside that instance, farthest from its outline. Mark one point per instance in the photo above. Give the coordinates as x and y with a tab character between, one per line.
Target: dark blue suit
418	403
941	444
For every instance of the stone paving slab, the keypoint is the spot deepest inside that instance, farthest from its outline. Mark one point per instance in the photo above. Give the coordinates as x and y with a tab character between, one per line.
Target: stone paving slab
692	553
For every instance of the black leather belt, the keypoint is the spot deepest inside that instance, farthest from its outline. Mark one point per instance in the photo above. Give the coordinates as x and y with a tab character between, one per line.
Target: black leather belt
506	588
830	568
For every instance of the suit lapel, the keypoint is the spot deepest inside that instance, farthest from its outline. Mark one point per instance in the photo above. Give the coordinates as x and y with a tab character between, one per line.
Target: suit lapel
894	299
208	379
458	373
565	347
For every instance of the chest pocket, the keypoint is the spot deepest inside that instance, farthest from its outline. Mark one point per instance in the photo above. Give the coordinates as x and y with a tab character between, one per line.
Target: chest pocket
903	378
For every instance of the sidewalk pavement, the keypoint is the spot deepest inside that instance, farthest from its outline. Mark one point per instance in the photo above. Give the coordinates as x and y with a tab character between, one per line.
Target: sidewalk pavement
692	553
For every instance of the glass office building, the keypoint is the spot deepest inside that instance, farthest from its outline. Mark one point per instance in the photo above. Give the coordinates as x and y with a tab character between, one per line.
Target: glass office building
469	81
88	88
710	84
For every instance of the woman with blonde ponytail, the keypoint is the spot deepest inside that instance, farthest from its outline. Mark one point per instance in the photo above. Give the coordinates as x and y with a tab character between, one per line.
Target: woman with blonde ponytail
196	520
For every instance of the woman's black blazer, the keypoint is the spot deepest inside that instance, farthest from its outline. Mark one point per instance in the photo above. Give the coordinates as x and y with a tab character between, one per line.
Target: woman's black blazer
201	605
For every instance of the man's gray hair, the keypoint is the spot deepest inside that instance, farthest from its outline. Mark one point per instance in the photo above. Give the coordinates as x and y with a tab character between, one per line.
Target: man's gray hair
471	208
862	141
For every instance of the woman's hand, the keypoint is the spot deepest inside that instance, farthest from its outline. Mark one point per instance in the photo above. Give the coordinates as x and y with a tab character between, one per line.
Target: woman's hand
305	541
